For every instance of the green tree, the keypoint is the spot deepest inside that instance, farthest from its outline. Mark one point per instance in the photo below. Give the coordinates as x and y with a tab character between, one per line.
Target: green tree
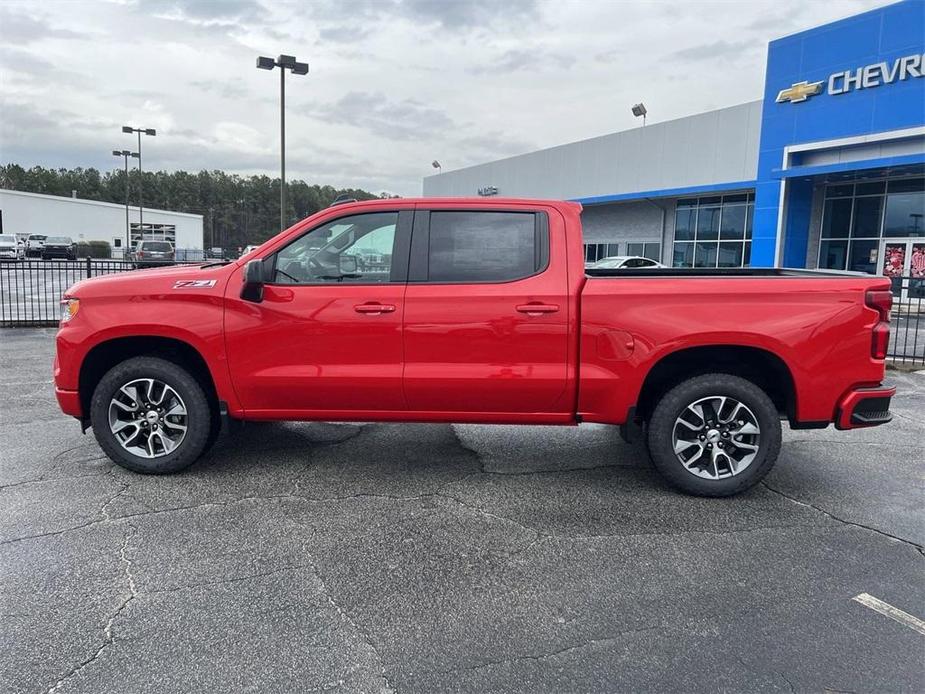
236	210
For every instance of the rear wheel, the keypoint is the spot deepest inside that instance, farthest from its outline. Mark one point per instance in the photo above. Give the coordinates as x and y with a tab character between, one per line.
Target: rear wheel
714	435
151	416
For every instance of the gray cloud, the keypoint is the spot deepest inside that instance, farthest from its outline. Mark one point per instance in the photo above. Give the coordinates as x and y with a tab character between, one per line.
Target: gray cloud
711	51
206	11
526	59
470	13
343	33
226	90
394	84
21	28
392	119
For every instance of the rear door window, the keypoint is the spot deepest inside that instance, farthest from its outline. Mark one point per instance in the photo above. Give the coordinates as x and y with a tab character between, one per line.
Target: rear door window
479	246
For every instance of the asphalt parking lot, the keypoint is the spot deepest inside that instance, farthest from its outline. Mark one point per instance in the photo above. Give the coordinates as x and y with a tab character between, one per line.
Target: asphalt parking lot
412	558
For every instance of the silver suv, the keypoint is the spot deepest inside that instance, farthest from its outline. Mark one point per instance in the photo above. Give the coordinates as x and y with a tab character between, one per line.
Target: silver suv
150	253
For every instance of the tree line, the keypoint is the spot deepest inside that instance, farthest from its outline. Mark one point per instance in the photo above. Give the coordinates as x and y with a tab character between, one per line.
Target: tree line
236	210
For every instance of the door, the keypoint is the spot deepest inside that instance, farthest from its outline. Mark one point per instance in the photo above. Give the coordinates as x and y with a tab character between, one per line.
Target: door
327	334
904	264
486	313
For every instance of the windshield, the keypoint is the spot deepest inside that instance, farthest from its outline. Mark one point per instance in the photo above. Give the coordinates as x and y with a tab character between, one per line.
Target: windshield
159	246
58	239
7	238
36	237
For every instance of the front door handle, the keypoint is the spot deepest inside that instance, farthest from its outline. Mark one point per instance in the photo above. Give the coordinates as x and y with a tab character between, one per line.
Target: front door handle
374	309
537	309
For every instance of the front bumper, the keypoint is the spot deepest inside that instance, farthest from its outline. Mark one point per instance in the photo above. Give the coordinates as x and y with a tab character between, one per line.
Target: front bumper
865	407
69	402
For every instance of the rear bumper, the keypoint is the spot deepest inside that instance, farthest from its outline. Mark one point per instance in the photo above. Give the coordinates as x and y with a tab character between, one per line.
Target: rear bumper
865	407
69	402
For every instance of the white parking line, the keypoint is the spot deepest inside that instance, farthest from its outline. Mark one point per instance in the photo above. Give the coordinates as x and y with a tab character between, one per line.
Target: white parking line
887	609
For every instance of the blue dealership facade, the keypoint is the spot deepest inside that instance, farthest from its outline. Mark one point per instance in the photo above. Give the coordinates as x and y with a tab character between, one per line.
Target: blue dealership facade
865	122
827	170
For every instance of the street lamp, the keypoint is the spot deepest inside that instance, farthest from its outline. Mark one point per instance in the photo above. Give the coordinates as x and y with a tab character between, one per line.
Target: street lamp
124	153
640	110
147	131
283	62
436	165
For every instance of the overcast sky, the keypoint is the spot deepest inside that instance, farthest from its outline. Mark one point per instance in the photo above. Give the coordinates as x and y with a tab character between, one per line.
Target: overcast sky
392	86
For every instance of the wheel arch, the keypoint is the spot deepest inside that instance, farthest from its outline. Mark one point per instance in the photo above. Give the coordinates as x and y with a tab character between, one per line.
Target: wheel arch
108	353
762	367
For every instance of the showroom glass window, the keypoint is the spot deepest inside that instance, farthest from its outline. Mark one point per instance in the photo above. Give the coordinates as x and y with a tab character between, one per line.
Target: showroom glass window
647	249
714	231
856	216
599	251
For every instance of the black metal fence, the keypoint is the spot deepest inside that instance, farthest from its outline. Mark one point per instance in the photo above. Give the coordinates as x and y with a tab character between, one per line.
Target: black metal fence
30	292
907	329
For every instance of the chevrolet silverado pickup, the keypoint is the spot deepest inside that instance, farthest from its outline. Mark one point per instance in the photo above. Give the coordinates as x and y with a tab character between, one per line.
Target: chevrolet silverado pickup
472	310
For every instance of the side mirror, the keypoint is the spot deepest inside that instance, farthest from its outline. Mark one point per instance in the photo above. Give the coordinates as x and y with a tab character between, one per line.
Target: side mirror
254	279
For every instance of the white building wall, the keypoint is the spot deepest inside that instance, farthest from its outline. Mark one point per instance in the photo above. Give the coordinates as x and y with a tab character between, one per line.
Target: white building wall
708	148
88	220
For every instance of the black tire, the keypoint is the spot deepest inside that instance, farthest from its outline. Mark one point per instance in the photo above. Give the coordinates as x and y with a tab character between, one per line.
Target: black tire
662	422
199	419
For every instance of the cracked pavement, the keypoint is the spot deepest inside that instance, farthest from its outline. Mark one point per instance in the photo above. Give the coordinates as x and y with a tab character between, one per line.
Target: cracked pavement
420	558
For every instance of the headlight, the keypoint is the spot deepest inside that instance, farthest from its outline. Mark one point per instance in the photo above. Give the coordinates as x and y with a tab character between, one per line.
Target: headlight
69	308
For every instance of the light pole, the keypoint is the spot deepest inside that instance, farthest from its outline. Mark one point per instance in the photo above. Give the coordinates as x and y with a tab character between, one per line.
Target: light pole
125	154
436	165
147	131
283	62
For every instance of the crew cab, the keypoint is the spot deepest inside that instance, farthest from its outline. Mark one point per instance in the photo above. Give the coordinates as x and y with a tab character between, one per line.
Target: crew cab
462	310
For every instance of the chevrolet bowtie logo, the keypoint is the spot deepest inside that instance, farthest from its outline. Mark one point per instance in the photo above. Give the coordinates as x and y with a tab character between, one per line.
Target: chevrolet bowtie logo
800	91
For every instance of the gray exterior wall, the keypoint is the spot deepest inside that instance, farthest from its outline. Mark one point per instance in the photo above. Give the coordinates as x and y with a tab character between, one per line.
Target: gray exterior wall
709	148
630	222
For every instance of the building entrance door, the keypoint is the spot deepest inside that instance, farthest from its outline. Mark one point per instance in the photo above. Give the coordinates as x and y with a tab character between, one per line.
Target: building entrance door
904	263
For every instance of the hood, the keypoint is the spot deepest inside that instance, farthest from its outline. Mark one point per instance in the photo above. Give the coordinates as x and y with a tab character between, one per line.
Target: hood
155	281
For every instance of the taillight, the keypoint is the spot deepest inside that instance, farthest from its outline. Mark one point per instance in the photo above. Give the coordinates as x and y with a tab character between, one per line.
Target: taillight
881	300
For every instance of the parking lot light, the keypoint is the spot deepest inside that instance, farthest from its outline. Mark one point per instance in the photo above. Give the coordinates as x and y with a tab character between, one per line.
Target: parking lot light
125	154
283	62
147	131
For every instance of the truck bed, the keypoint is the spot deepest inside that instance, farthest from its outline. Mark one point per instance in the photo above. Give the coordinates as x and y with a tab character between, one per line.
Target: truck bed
719	272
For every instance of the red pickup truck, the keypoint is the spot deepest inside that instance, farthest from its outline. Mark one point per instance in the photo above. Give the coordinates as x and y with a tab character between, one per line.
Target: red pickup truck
460	310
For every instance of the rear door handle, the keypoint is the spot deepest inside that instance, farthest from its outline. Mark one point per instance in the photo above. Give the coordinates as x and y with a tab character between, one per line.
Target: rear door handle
374	308
537	309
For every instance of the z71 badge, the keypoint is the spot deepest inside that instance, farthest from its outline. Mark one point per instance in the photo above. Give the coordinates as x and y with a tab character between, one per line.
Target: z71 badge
193	284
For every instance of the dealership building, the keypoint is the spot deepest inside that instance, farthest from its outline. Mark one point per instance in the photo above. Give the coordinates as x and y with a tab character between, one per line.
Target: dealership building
827	170
24	214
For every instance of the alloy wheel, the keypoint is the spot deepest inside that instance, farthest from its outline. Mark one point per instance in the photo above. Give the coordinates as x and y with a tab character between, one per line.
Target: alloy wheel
148	418
716	437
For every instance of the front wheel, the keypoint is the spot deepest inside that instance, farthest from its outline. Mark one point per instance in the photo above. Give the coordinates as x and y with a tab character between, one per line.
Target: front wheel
151	416
714	435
